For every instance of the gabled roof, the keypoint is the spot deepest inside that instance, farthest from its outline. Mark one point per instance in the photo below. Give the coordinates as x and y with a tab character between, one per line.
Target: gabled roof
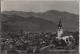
66	34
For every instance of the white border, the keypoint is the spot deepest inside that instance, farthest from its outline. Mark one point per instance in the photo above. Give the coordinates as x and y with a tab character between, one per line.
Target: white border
39	0
79	27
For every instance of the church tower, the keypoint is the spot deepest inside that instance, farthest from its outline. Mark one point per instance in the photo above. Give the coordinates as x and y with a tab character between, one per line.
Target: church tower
60	29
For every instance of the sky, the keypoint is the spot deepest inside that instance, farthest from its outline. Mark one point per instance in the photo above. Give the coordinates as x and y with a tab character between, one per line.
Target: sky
40	6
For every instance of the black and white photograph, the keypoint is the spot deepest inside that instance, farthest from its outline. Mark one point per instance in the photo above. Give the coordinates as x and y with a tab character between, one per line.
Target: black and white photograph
39	27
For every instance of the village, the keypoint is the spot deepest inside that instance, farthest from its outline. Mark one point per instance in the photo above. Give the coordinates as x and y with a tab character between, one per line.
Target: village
40	42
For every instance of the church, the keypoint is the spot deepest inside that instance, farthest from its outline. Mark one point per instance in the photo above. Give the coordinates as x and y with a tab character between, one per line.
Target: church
63	40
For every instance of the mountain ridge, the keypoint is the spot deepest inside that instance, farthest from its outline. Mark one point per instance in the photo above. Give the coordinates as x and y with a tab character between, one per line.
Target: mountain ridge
70	21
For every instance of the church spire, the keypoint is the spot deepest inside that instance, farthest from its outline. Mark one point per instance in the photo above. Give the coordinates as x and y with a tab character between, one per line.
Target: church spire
60	29
60	24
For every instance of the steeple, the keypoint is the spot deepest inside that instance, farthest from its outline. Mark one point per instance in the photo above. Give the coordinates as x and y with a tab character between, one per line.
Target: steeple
60	29
60	24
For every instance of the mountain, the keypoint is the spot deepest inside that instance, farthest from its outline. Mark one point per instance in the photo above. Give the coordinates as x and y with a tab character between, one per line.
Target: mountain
31	23
46	21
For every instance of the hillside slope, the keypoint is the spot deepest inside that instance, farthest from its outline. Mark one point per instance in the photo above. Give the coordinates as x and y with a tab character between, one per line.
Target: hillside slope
46	21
